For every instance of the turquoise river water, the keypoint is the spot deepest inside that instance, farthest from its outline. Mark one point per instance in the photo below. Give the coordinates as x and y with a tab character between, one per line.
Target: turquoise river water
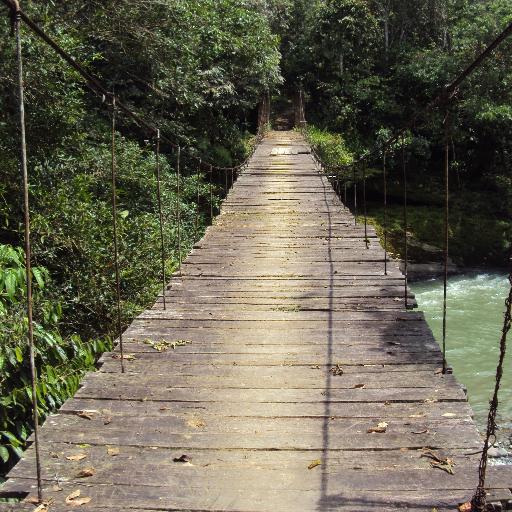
476	304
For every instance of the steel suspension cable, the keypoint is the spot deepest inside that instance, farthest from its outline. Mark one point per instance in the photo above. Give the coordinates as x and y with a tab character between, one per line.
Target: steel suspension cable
211	194
406	241
178	203
480	498
198	177
161	217
28	247
365	209
446	232
385	224
355	195
115	237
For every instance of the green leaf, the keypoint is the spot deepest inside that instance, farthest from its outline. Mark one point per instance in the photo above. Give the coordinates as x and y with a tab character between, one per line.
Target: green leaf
19	354
10	284
36	272
11	437
4	454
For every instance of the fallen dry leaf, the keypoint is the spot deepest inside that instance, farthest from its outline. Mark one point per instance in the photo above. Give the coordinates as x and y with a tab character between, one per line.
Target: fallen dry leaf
126	357
41	508
56	488
86	415
113	452
74	499
72	496
337	370
107	420
315	463
77	458
466	507
379	429
196	423
443	463
86	472
80	501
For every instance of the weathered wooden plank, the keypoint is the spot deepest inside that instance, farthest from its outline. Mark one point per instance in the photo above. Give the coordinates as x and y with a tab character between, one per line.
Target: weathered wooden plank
212	498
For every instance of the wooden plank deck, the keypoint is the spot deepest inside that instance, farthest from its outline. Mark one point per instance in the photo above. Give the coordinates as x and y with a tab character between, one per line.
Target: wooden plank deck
299	345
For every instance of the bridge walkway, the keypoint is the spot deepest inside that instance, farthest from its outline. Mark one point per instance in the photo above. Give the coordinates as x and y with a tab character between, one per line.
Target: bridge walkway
285	374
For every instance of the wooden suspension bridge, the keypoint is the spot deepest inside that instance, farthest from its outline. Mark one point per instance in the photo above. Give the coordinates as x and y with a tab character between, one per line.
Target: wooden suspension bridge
284	374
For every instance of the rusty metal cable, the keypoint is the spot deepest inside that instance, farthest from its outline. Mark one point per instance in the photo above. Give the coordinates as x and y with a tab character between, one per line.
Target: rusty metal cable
406	241
211	194
366	241
198	197
115	237
178	203
355	195
479	501
161	217
28	247
446	231
385	223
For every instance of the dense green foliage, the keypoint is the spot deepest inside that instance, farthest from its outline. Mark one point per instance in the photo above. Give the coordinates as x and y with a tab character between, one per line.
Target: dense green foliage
61	361
368	65
197	70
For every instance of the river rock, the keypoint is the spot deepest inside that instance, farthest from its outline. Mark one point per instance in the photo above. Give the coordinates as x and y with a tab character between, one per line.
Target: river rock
497	452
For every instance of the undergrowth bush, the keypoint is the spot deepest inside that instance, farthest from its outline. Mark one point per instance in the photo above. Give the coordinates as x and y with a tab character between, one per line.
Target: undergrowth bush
60	361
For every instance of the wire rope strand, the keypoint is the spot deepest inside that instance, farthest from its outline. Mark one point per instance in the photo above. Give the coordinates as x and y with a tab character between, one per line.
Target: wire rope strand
446	234
385	225
211	194
161	217
355	195
115	236
178	203
28	247
406	225
479	501
365	208
198	197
